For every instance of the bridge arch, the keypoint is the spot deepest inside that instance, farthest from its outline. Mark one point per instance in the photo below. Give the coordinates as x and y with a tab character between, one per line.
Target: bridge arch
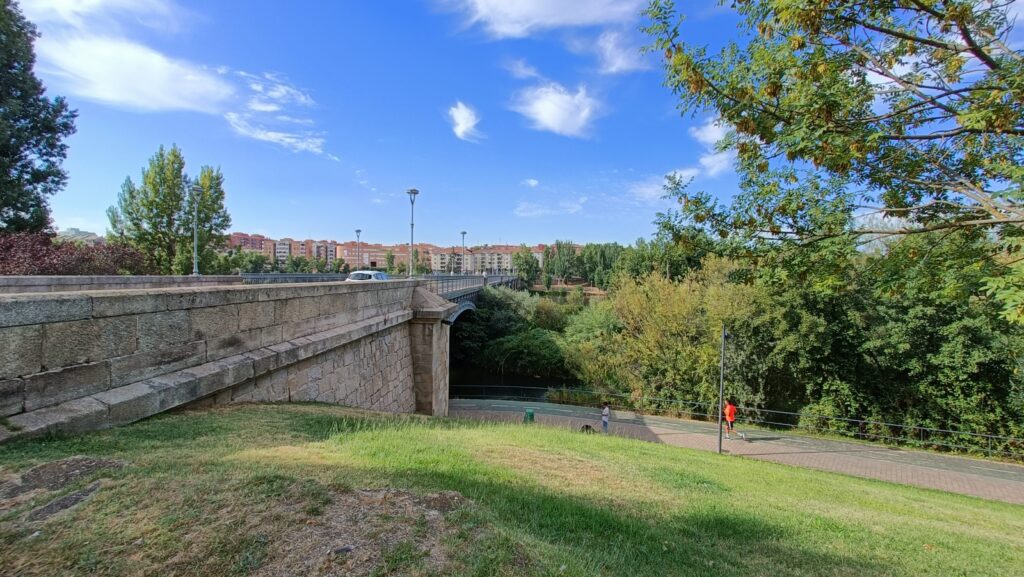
466	305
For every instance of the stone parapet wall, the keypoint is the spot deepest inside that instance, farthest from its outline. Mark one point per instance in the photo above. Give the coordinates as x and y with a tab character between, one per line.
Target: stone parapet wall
50	284
96	358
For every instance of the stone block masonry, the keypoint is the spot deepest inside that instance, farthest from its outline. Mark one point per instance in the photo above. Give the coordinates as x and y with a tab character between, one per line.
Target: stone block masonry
77	361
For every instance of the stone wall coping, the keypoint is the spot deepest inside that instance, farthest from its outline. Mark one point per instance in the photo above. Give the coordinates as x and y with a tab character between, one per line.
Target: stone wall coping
35	308
29	280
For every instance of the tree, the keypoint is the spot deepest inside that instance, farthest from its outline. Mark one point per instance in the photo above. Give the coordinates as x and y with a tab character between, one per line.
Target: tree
910	110
419	267
32	130
156	215
919	104
208	192
37	253
526	265
389	261
253	262
298	264
564	260
596	262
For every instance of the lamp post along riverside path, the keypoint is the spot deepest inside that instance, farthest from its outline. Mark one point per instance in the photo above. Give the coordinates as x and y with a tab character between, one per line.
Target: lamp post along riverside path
462	265
359	261
412	192
195	239
721	387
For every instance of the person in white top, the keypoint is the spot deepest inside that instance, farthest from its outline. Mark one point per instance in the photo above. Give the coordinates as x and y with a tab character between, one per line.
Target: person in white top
605	414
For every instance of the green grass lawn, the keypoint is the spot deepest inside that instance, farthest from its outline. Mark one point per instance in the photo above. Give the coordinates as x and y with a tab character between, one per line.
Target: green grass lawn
225	491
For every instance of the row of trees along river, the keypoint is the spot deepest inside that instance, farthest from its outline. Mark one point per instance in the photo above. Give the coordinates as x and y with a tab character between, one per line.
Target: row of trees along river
833	328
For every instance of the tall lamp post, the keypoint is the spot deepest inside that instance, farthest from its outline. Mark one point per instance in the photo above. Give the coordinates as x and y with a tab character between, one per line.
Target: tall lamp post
721	386
412	192
359	261
462	268
195	239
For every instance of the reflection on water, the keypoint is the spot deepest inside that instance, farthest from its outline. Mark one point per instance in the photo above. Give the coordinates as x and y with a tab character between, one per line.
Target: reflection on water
468	382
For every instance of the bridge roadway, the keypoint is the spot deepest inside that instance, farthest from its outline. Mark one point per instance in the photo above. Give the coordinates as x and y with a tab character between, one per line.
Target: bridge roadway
955	474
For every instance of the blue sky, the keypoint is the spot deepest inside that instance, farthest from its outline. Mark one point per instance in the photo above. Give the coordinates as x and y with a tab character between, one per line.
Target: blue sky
518	122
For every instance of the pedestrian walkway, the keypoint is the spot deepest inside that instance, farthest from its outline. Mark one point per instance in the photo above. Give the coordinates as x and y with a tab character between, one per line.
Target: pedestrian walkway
964	475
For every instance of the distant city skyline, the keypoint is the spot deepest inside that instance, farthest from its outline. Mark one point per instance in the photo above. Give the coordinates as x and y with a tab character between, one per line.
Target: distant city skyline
521	125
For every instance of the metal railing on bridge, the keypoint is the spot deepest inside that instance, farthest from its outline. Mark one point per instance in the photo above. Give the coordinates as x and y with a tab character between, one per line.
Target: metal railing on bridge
440	284
456	285
289	277
863	429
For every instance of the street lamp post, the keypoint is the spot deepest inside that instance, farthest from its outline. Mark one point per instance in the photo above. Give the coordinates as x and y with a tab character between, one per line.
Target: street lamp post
462	268
721	386
195	239
412	192
359	261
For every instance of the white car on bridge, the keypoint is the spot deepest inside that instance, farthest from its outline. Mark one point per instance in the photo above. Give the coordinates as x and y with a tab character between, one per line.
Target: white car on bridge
361	275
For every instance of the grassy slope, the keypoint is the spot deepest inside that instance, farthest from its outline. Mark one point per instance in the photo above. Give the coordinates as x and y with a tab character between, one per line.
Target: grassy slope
201	486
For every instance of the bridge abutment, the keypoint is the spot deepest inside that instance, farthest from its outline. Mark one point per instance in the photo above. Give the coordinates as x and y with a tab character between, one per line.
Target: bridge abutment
429	336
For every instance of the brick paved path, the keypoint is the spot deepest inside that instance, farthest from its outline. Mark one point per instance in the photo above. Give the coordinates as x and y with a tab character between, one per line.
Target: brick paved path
967	476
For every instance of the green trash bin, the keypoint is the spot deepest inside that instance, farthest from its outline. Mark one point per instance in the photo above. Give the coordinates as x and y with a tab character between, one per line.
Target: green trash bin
528	416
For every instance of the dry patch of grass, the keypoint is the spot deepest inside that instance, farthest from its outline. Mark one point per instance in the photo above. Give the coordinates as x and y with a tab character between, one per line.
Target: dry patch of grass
579	475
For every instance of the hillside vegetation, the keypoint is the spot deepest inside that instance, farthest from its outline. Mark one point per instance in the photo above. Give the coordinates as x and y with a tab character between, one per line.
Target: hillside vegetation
308	489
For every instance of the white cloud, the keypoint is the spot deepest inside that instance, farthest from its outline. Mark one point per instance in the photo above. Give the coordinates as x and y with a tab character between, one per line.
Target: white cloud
246	125
271	93
519	18
85	14
531	182
534	209
616	56
717	162
121	72
651	189
553	108
464	120
520	69
258	105
293	120
709	134
85	51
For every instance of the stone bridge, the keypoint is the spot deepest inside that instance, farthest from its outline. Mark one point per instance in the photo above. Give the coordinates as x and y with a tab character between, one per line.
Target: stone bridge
82	360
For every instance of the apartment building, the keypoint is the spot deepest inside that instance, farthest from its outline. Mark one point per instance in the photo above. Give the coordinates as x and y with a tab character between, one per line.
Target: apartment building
355	254
487	259
283	249
326	250
250	242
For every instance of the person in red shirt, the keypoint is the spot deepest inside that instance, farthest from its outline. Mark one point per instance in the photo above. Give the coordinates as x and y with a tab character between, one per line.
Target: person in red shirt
730	417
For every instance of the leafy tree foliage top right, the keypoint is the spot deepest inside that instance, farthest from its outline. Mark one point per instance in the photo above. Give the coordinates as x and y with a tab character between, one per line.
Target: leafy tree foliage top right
912	108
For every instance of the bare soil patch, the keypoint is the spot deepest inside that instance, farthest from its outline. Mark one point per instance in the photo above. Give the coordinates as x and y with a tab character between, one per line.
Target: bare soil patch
368	532
48	478
55	475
